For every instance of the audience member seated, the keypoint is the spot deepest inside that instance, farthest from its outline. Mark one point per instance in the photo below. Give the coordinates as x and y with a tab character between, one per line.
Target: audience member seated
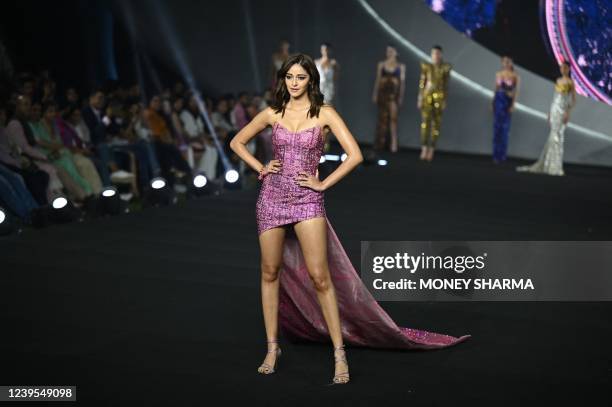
86	179
92	115
194	128
35	179
21	138
170	159
14	194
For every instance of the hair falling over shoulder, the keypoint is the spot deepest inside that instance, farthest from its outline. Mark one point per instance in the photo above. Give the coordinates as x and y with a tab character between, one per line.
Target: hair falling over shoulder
281	94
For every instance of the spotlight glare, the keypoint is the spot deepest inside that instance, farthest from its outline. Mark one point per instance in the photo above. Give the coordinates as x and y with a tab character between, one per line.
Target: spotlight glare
59	202
109	192
381	162
199	181
158	183
231	176
322	159
2	216
332	157
343	157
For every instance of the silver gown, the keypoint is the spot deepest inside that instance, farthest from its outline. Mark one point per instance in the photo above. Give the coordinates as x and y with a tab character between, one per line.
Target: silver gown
326	81
551	157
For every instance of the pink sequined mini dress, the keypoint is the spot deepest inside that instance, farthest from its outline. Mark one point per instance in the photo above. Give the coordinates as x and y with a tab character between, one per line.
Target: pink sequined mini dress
282	202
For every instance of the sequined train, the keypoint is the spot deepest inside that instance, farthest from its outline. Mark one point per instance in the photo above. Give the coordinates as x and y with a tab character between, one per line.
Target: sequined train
282	201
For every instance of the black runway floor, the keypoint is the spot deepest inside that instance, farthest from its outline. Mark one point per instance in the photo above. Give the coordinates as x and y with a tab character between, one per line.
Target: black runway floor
162	307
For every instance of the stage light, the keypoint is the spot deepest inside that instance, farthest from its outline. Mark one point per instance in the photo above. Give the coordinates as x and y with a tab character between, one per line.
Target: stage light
322	159
332	157
233	181
231	176
59	203
63	211
201	186
109	192
6	224
110	203
158	183
200	181
159	193
381	162
343	157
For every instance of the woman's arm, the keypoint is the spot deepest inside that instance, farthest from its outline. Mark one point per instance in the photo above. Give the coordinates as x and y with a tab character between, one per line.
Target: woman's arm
354	157
516	91
252	129
402	83
376	83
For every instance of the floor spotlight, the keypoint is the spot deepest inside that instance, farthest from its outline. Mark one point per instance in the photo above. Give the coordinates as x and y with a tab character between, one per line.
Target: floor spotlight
59	203
6	224
158	183
159	193
200	185
109	192
231	176
232	180
200	181
63	211
110	203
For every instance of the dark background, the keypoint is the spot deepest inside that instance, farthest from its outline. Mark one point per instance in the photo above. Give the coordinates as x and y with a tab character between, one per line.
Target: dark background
67	36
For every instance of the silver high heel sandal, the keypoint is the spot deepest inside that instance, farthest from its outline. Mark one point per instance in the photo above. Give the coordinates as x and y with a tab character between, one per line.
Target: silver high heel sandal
266	368
341	378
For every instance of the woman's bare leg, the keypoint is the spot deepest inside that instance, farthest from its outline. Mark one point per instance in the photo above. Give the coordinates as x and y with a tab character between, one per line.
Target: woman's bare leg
312	235
271	245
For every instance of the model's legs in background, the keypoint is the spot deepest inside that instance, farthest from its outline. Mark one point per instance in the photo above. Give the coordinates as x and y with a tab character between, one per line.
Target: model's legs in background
393	108
382	125
436	121
425	129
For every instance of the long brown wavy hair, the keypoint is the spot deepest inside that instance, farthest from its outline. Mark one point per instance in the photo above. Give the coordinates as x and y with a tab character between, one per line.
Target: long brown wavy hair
281	94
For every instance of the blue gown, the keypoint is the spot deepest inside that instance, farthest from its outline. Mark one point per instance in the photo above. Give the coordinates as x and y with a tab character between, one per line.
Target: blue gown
501	118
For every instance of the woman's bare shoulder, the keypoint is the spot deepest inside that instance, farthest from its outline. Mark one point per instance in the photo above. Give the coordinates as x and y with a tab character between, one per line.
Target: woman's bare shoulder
267	116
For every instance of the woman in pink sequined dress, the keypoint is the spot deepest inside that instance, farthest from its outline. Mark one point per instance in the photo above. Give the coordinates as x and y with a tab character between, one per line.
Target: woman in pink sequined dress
307	280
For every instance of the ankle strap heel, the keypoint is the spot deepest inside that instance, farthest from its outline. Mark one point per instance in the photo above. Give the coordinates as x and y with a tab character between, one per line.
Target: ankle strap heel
266	368
341	378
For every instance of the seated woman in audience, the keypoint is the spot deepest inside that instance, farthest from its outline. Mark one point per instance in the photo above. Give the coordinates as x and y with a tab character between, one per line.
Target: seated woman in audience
221	121
179	134
202	142
69	125
137	132
116	121
172	163
47	136
18	171
23	148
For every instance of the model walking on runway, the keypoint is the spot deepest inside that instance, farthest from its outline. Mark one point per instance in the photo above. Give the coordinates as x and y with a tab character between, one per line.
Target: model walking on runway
551	157
388	96
506	91
328	69
308	283
433	91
